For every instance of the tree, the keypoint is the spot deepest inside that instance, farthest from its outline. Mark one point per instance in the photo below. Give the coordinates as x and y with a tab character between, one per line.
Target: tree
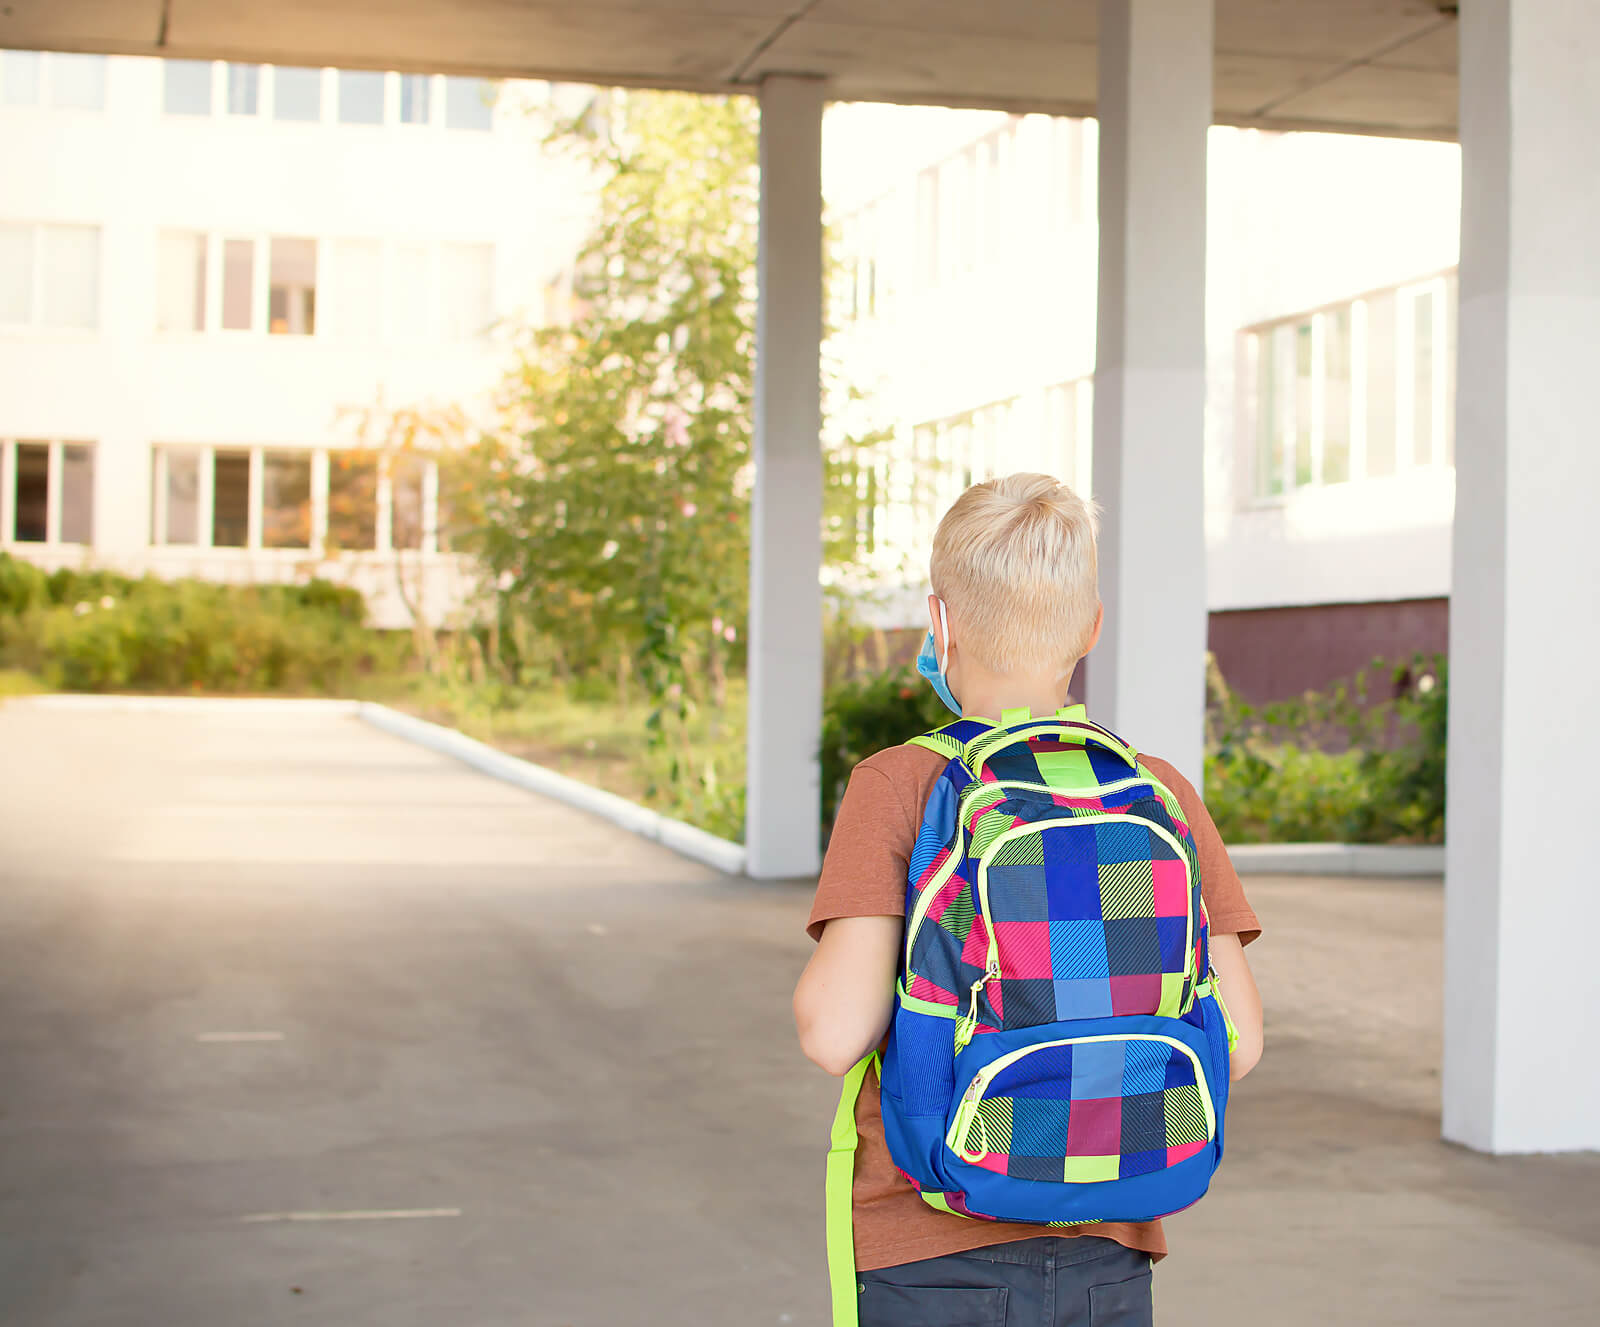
610	501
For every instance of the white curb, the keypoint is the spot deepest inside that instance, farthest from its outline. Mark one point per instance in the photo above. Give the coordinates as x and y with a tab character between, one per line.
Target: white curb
74	700
681	838
1355	859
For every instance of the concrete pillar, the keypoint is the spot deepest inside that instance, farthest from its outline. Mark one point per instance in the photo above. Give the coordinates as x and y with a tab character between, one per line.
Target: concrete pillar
1522	980
783	808
1147	677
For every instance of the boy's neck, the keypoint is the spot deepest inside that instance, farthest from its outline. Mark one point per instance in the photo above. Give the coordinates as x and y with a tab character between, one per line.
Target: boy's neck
989	694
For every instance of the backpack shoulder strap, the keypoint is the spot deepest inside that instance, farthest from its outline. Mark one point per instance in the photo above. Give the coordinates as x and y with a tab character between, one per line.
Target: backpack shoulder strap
952	740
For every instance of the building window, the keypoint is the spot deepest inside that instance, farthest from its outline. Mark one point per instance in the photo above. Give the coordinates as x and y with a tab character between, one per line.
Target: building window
292	287
1360	390
50	276
414	98
77	82
469	103
244	89
175	495
32	466
353	308
360	97
230	499
297	94
407	485
1068	420
181	282
950	455
286	498
352	502
58	79
238	285
186	87
466	284
49	496
21	78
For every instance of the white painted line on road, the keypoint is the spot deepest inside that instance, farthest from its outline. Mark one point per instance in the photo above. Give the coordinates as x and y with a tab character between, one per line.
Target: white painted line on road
380	1214
240	1036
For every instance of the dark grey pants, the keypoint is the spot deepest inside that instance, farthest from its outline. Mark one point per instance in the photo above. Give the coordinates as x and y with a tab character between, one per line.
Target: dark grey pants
1082	1281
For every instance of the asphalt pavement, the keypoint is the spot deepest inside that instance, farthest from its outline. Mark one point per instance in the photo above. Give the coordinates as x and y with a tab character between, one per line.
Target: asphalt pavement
300	1023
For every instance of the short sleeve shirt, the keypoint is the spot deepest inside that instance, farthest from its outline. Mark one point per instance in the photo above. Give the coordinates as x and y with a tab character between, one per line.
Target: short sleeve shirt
864	875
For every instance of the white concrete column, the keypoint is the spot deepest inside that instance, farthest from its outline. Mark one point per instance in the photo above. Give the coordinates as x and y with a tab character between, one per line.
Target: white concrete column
1147	677
783	800
1522	980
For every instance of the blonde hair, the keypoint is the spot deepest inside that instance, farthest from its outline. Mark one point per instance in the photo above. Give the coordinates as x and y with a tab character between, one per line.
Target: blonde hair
1014	561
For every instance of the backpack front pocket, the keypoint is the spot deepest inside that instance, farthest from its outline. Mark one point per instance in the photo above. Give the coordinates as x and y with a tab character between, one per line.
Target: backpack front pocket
1085	1110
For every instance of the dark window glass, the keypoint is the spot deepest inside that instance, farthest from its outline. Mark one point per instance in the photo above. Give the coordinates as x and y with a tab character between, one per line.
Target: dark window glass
33	493
230	499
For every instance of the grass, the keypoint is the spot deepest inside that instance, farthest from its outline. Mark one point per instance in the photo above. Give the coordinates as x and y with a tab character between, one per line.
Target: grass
15	682
599	741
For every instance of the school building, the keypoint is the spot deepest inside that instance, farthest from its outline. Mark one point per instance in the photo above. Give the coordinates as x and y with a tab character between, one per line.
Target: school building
963	308
1511	79
216	277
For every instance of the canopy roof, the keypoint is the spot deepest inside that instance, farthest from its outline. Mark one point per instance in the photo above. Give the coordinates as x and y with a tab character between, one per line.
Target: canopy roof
1363	66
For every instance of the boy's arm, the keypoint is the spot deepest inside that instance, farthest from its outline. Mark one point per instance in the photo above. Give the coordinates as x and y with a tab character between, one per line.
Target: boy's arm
845	997
1243	1001
1233	921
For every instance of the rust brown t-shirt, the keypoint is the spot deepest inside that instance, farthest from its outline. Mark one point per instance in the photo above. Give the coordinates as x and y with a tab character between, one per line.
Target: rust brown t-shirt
864	875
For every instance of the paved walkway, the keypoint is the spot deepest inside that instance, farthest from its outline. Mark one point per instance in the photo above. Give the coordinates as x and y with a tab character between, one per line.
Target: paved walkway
256	966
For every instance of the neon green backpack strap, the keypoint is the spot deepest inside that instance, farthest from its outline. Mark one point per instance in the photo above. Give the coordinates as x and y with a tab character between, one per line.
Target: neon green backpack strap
837	1192
953	739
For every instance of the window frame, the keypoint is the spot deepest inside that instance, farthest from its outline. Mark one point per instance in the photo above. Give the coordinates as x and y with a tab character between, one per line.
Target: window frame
320	459
35	325
1258	341
55	469
44	100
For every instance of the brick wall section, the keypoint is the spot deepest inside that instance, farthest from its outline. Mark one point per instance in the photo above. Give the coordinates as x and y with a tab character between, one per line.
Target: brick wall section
1276	653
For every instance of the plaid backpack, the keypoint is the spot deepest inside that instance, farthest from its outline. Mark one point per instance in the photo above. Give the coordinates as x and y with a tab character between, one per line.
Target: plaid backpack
1058	1052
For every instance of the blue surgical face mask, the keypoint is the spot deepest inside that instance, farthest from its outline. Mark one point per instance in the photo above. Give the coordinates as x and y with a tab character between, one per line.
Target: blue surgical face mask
931	667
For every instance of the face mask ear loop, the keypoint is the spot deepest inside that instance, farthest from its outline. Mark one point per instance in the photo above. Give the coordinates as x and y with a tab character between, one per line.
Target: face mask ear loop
944	629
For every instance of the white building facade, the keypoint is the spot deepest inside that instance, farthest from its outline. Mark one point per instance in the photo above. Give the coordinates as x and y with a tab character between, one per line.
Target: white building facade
964	306
215	276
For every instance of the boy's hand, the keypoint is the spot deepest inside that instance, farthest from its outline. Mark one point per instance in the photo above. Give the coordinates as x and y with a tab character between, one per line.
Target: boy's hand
845	997
1243	1001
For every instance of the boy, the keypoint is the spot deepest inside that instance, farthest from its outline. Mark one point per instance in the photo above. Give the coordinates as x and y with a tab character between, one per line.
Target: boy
1015	607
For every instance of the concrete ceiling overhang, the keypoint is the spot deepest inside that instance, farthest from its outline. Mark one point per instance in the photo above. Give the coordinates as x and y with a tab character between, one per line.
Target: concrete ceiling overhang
1352	66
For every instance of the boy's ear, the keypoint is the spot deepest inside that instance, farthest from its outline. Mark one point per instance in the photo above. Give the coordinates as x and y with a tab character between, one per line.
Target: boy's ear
1099	621
933	622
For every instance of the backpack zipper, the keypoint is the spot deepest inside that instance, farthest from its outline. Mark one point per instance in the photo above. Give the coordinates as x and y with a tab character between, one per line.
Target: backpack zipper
973	1098
925	898
992	961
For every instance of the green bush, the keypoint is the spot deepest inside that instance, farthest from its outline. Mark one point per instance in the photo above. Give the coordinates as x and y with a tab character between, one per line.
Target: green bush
97	631
1362	762
864	715
22	585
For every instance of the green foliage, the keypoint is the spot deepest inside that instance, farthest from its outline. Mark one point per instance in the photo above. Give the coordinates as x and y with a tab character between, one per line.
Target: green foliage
864	715
99	631
1362	762
608	501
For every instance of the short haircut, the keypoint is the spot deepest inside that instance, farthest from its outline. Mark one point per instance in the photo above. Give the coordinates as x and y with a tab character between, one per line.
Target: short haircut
1014	561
